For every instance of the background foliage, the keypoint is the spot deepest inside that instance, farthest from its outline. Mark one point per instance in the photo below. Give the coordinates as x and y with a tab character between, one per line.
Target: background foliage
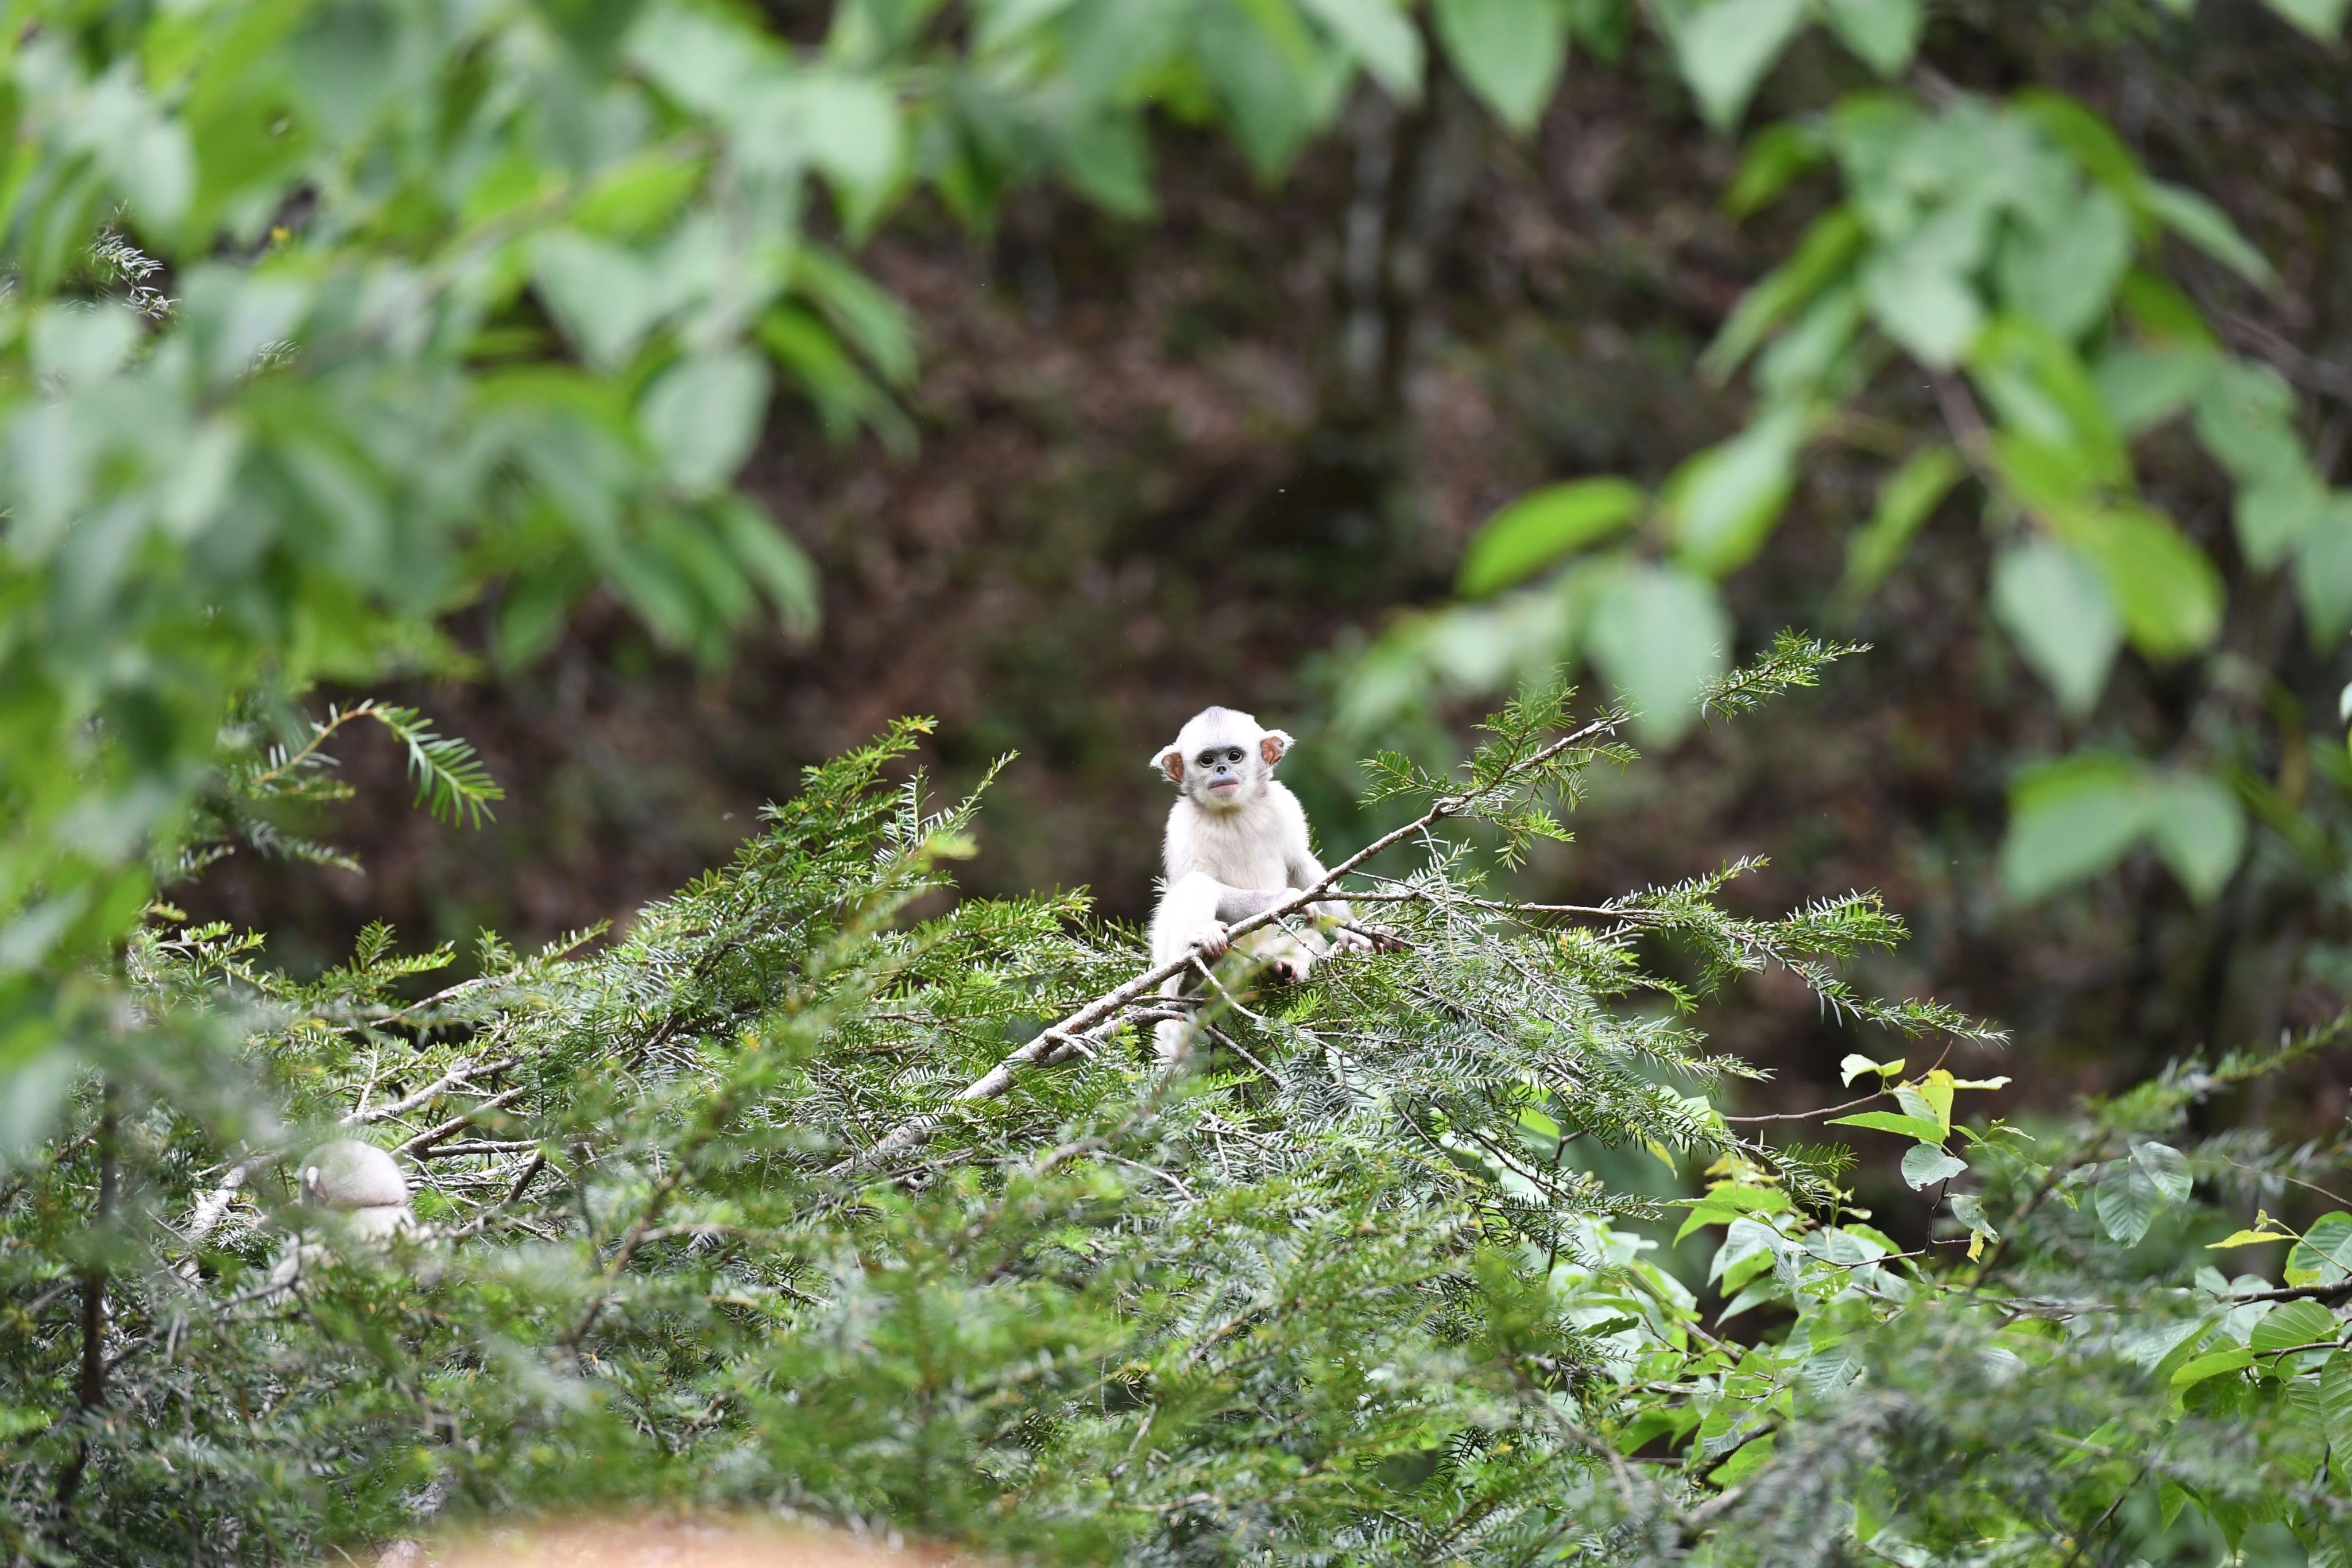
363	344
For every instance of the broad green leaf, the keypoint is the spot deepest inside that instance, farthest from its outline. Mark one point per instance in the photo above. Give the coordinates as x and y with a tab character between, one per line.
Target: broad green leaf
1925	303
2127	1203
1509	51
1905	500
2064	274
1108	158
2294	1324
2070	819
1821	257
2055	607
1725	501
2200	828
2274	516
1924	1165
2089	140
702	414
852	127
771	559
1378	33
1854	1066
2167	1166
1660	636
2169	593
1725	50
2245	418
1883	33
1923	1128
1750	1459
2323	1256
1746	1240
2143	387
1968	1209
2213	1363
2323	572
601	295
2336	1401
2323	19
1264	67
2209	228
1776	155
1542	527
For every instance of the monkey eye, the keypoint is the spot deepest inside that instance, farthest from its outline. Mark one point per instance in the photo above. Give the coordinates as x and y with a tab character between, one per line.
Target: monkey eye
1234	754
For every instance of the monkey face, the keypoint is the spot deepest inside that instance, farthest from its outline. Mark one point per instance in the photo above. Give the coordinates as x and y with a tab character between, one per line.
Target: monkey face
1222	760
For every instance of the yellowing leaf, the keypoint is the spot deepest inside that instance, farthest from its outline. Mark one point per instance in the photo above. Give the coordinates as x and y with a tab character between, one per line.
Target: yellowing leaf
2247	1239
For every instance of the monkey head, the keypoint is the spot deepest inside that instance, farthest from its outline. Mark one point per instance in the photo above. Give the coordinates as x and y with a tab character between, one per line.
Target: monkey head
1221	761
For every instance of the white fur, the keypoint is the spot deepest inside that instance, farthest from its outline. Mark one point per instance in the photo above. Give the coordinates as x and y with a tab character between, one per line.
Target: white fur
1251	834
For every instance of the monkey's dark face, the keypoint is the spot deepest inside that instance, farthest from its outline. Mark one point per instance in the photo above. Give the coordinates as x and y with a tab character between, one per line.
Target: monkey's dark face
1222	760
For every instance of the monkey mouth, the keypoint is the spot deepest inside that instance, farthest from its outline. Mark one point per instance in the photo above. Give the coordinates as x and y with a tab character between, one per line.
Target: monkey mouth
1227	786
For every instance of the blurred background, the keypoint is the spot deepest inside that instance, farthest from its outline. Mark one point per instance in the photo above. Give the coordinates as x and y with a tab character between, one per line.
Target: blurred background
1214	455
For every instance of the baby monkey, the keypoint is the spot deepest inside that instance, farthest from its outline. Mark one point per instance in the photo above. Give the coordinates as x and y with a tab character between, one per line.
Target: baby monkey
1233	832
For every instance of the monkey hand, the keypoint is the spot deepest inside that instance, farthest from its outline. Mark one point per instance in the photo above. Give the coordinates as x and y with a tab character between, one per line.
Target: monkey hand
1213	941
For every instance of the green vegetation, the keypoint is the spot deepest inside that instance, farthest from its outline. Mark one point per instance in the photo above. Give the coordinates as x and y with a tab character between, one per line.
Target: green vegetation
345	340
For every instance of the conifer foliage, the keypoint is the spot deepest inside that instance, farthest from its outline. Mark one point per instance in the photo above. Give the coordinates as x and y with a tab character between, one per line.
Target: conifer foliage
776	1201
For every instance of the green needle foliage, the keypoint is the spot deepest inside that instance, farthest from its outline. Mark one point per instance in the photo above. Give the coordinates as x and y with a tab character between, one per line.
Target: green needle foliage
1333	1289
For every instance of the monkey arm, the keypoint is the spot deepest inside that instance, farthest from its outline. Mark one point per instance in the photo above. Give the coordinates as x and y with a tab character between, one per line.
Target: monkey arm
1244	903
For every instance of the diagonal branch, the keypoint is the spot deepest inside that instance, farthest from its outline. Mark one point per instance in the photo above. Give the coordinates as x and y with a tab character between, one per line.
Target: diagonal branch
1063	1038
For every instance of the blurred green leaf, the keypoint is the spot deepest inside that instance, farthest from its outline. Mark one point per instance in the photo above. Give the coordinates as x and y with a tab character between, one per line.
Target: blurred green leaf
600	293
1661	636
2323	19
1726	500
2336	1401
2055	607
2143	387
1924	302
1509	51
1883	33
2207	227
2075	817
2200	828
1725	49
2170	594
2232	1358
1543	527
2275	516
1378	33
2323	571
1775	156
1907	499
772	559
2065	273
702	414
1828	250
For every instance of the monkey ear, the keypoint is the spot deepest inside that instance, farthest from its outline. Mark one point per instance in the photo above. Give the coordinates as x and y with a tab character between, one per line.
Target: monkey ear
1170	761
1272	744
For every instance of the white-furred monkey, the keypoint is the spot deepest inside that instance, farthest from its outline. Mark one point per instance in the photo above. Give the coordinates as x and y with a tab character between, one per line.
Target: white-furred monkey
360	1181
1234	828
